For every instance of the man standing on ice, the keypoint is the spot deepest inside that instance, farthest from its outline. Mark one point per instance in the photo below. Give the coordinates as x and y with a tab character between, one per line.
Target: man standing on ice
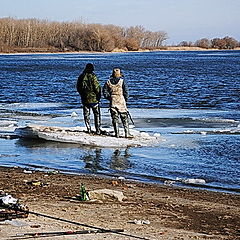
90	91
116	91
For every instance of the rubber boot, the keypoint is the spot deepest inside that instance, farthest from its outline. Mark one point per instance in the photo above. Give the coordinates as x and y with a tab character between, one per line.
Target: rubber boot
114	115
87	123
116	127
125	123
86	114
97	125
97	119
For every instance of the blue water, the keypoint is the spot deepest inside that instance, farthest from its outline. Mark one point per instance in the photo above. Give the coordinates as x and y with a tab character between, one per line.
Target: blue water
190	98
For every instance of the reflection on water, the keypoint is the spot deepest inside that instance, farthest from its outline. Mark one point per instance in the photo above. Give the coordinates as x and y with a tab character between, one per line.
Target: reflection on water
94	159
212	158
120	159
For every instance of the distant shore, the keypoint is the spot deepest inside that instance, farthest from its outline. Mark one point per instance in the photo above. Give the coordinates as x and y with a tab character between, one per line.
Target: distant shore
51	51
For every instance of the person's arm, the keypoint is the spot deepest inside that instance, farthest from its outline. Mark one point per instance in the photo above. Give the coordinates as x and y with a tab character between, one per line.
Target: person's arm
97	87
125	90
106	93
79	83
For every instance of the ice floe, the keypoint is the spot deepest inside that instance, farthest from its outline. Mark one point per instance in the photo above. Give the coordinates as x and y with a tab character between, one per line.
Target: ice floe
80	136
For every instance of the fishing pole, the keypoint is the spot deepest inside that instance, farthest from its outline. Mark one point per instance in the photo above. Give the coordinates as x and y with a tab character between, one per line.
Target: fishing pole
52	234
128	113
130	117
79	224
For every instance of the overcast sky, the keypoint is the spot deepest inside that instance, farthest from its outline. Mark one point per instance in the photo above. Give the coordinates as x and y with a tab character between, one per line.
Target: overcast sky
187	20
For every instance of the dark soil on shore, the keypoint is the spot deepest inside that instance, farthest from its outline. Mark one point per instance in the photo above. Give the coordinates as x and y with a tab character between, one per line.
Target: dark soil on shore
173	212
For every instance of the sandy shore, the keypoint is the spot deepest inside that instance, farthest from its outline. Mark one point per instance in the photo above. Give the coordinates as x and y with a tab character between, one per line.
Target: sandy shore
171	212
164	48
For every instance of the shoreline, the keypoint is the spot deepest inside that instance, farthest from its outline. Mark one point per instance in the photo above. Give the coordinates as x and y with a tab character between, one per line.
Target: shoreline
176	49
172	212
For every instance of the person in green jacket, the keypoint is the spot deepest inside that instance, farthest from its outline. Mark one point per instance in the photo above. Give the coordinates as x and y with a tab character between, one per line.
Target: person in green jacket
90	92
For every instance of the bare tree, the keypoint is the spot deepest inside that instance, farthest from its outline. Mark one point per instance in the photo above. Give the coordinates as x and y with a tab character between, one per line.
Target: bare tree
36	34
203	43
219	43
231	43
186	44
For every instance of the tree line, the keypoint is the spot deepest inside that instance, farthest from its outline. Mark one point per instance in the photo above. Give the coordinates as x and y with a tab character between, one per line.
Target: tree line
74	36
216	43
43	35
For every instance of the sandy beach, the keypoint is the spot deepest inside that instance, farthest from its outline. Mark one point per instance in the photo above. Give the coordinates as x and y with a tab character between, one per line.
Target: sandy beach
148	211
28	51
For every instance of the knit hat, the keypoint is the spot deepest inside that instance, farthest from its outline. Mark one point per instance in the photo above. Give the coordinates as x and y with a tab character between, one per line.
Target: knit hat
89	68
116	72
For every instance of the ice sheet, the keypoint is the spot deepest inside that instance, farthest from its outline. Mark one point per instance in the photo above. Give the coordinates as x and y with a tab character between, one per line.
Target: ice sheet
79	136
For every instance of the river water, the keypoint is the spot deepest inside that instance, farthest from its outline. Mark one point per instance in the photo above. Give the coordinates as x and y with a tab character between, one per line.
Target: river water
190	98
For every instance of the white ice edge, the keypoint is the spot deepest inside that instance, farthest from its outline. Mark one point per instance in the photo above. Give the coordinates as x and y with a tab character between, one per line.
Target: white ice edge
77	135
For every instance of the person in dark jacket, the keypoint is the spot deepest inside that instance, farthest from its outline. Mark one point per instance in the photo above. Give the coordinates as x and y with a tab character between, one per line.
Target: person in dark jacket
116	91
90	91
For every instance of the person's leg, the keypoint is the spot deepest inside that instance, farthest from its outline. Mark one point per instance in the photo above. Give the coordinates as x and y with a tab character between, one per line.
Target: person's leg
115	119
124	118
86	114
97	118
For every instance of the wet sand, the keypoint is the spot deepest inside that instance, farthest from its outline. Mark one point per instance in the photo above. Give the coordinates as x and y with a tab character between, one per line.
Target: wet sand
171	212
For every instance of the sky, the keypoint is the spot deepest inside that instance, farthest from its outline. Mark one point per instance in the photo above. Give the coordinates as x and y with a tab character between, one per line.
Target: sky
182	20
